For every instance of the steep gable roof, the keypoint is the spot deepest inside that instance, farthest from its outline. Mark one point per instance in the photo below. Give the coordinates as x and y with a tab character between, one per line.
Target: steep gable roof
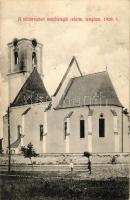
66	73
33	91
91	89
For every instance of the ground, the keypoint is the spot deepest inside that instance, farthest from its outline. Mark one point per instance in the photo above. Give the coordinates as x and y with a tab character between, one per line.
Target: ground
106	182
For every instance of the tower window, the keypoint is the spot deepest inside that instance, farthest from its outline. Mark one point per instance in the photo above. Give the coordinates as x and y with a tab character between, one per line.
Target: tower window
15	57
19	131
82	127
41	132
34	58
101	126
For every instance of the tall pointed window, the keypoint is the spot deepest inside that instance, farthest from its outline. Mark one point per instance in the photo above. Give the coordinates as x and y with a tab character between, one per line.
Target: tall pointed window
34	58
65	128
41	132
82	127
15	57
19	131
101	126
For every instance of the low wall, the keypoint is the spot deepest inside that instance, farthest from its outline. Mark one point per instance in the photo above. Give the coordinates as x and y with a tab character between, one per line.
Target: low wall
46	159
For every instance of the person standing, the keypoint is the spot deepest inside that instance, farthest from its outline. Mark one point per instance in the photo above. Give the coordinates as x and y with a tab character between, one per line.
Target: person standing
89	166
71	166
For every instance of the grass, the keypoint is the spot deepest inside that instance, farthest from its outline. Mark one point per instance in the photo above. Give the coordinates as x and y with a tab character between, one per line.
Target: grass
15	188
105	183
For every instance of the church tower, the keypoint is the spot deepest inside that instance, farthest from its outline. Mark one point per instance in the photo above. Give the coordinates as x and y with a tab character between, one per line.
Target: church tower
24	56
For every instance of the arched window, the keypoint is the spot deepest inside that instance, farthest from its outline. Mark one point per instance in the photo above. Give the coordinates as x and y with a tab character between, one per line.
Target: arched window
34	58
101	126
82	127
15	57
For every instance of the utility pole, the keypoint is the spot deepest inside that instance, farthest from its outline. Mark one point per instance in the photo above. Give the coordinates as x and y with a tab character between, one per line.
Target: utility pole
9	153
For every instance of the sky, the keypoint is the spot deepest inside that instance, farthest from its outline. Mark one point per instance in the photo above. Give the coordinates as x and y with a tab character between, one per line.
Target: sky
96	45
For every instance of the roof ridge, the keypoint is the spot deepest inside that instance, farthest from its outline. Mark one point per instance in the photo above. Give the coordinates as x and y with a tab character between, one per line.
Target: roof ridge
66	73
90	74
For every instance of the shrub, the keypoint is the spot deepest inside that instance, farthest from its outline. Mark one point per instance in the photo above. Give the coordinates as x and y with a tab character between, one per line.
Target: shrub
29	152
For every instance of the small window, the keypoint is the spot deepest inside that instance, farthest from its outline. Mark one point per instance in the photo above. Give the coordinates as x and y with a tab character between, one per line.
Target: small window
101	115
41	132
34	58
15	57
19	131
82	127
101	126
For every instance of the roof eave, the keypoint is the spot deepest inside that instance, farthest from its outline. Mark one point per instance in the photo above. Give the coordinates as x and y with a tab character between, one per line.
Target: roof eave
59	108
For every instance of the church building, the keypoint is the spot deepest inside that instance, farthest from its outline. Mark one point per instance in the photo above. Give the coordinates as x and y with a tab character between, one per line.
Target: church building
84	113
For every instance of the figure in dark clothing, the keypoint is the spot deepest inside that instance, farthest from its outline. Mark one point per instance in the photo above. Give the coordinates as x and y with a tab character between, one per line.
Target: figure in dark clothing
89	166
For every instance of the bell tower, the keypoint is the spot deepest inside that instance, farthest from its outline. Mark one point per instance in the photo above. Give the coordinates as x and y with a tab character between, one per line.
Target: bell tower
24	55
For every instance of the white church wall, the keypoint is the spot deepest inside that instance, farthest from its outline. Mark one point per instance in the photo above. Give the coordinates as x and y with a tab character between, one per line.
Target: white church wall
107	143
57	143
15	120
56	140
126	140
32	121
55	136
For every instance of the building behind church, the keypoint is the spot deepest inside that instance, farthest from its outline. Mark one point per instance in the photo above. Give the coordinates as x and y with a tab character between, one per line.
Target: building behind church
84	113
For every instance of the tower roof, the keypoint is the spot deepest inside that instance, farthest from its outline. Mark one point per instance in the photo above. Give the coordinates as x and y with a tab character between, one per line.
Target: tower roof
92	89
33	91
